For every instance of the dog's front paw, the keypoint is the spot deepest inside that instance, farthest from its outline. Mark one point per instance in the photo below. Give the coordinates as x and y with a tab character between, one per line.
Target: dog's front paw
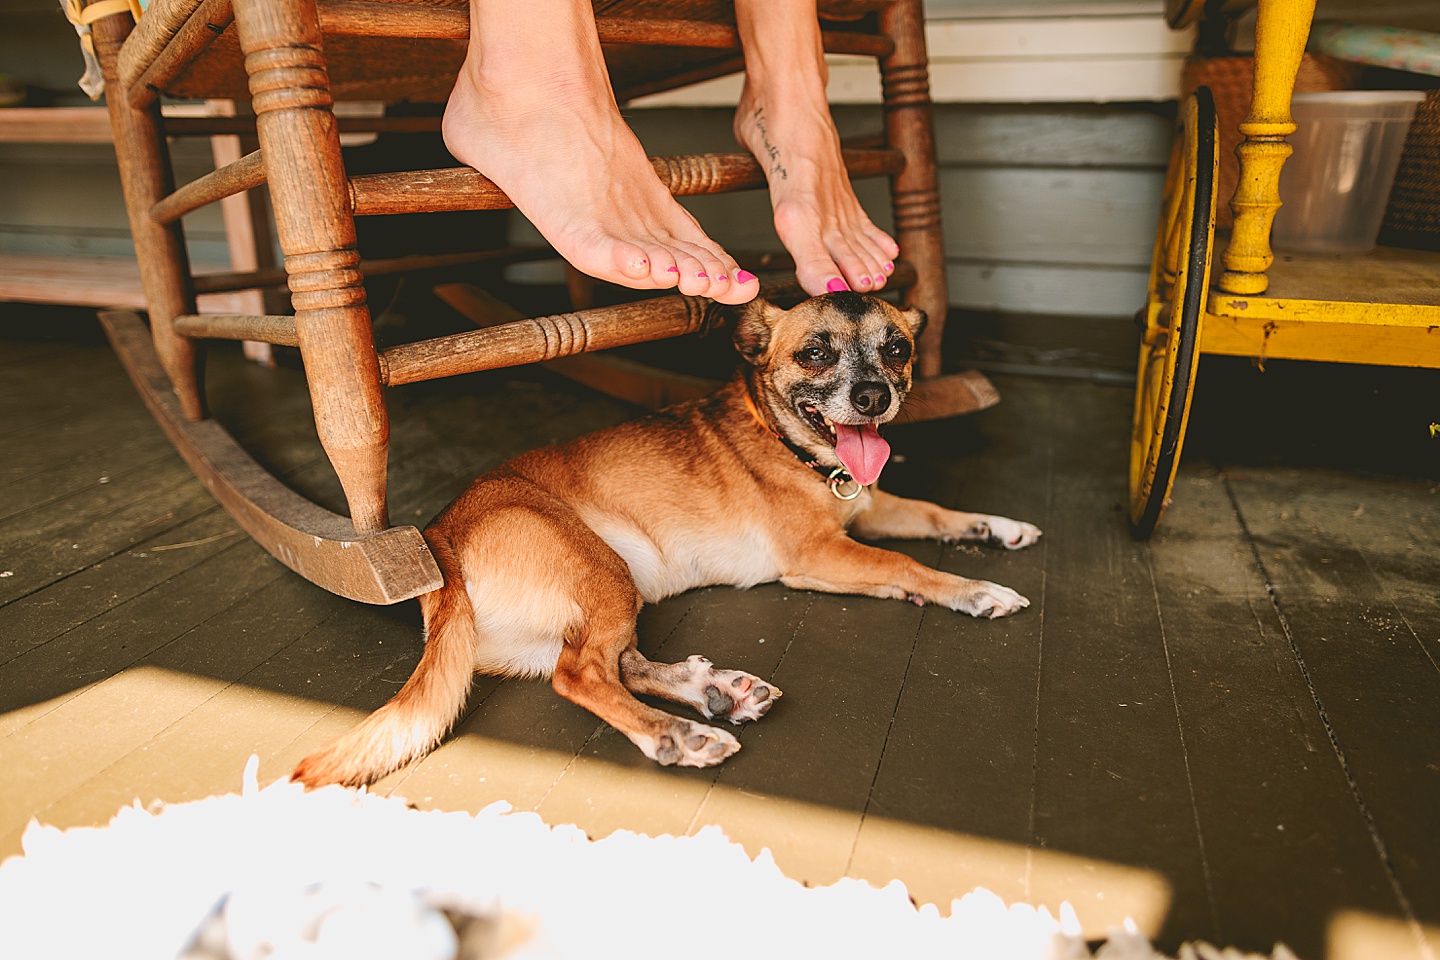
981	598
687	744
1013	534
1010	534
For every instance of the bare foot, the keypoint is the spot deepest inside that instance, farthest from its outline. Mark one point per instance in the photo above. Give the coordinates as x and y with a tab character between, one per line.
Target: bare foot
534	112
784	120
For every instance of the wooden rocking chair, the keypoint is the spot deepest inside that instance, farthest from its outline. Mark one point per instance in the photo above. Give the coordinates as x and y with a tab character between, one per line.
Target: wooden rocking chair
300	55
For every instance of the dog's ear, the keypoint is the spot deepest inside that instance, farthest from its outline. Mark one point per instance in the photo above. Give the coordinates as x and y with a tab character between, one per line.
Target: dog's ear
916	320
752	329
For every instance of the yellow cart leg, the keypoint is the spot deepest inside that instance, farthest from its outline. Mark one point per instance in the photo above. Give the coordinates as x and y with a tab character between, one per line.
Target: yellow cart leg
1281	29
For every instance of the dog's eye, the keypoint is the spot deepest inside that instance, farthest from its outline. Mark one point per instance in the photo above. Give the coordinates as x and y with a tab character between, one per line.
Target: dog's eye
898	349
815	356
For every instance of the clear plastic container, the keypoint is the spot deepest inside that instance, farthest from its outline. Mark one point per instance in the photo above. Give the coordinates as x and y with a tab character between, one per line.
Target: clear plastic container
1335	186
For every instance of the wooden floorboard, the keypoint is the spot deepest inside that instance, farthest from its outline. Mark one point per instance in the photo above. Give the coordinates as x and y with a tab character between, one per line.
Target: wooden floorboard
47	675
1255	746
75	600
44	481
1367	667
1229	732
1111	751
957	771
159	756
35	394
96	523
841	671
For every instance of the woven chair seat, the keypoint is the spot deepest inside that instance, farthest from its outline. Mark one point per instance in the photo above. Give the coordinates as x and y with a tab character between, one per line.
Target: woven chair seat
423	70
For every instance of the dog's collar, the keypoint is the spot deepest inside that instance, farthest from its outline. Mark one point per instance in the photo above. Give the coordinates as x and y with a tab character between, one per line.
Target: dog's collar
842	485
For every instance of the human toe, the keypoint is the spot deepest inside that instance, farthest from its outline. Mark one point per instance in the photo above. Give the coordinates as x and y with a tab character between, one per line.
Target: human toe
661	264
735	292
819	274
692	275
861	272
632	261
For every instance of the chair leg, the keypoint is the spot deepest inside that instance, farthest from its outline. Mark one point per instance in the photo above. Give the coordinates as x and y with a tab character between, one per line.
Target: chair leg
300	142
146	177
915	191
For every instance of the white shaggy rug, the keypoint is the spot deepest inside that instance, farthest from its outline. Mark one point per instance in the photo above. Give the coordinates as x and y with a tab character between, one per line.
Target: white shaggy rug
282	874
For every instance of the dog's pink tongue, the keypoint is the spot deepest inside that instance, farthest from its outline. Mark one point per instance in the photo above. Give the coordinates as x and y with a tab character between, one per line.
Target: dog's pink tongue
861	450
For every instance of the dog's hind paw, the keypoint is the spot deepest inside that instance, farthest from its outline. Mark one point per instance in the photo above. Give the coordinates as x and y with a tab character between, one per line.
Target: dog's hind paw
732	694
688	744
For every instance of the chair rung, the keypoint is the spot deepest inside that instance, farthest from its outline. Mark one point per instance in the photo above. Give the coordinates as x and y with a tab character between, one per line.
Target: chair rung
369	19
352	19
461	188
546	338
168	40
278	330
233	178
276	276
245	126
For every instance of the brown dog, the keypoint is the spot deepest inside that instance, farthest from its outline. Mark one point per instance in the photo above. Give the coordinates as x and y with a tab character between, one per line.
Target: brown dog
548	558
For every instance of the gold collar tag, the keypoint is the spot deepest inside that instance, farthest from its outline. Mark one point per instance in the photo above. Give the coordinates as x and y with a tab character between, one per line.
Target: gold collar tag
837	481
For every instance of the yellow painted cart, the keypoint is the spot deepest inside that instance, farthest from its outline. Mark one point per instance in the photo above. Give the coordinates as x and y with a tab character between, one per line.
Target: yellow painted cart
1379	308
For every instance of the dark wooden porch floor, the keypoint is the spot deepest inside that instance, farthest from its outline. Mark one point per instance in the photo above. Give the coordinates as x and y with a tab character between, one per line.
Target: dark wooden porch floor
1231	732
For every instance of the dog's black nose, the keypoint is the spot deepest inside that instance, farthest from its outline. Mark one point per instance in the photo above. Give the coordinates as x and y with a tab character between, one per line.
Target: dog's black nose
870	398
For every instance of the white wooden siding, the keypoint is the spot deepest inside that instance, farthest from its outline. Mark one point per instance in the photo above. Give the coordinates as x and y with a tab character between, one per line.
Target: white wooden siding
1059	58
66	199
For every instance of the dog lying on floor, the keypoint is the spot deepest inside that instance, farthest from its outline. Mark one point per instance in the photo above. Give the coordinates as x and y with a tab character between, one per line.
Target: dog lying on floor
548	558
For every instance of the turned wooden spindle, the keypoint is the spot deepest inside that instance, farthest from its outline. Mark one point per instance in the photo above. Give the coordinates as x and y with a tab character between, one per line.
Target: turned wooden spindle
915	190
1281	29
300	143
244	174
146	178
539	339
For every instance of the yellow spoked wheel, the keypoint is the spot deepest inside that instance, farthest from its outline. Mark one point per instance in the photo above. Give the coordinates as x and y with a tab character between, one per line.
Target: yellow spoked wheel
1179	280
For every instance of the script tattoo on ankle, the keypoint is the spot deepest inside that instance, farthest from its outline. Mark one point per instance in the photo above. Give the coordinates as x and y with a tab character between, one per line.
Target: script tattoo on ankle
771	151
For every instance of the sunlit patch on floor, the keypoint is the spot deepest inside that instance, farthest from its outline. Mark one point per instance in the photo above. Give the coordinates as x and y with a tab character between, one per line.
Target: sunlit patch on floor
1357	935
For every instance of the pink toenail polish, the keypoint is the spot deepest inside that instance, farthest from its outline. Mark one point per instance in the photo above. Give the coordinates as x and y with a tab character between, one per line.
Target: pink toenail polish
864	281
889	266
837	284
672	269
744	276
702	274
722	277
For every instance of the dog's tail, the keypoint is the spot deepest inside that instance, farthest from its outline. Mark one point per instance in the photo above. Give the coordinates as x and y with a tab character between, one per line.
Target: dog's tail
415	719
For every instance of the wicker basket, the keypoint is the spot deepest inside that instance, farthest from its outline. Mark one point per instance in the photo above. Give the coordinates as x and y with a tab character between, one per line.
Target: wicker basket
1412	218
1231	80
